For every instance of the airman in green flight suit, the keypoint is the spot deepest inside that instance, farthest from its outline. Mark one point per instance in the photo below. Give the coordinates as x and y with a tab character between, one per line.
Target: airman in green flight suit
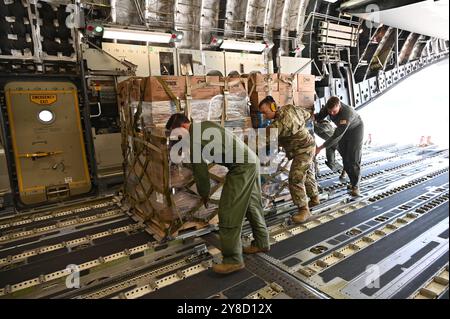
241	193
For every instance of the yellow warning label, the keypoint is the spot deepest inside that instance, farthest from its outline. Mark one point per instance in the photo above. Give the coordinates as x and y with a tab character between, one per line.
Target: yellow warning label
43	99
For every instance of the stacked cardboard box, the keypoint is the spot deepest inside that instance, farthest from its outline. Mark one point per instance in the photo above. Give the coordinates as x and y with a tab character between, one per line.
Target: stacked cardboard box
262	85
305	91
160	97
284	88
157	190
203	87
163	193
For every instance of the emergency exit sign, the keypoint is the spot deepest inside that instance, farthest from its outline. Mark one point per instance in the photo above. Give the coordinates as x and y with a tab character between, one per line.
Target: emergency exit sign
43	99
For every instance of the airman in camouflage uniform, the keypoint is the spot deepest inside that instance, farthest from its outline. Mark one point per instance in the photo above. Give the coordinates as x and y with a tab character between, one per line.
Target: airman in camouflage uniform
299	144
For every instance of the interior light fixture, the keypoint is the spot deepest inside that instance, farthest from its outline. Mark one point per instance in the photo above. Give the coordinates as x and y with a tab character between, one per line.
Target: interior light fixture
177	36
137	35
239	45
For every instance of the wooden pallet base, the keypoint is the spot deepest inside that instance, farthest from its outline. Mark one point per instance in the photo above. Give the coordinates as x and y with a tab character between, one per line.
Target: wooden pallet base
159	230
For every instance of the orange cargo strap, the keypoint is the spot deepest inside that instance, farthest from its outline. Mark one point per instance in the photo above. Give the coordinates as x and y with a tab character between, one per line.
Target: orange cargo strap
225	103
269	83
170	93
290	81
138	113
188	110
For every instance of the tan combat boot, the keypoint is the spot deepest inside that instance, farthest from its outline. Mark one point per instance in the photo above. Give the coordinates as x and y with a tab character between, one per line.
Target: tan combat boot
302	216
250	250
226	269
315	201
355	191
343	176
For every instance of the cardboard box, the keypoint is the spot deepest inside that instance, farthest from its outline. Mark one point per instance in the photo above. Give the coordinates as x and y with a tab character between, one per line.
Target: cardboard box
304	99
155	92
285	98
130	90
306	83
236	85
205	87
263	82
281	98
200	89
286	83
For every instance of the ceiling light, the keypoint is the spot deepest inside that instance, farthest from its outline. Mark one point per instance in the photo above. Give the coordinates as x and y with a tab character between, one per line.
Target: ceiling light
136	35
243	45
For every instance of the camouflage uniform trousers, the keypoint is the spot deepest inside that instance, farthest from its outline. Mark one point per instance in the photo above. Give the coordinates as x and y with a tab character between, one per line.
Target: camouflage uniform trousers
302	179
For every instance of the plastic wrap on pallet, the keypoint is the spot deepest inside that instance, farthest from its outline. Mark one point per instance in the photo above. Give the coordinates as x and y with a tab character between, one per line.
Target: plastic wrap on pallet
273	162
158	113
212	110
185	201
165	194
180	176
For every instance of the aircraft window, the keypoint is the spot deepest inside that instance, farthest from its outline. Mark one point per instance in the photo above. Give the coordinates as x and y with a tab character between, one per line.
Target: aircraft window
46	116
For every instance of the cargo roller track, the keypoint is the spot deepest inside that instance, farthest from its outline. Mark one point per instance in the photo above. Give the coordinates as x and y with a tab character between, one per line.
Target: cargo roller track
399	224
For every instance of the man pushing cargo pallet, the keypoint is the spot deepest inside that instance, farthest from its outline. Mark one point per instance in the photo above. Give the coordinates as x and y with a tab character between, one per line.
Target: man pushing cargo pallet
293	135
241	193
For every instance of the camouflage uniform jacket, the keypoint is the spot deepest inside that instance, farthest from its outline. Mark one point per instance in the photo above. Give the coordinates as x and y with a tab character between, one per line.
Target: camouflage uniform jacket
293	134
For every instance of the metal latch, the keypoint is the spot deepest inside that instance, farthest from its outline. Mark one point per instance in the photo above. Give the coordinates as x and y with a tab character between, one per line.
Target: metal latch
37	155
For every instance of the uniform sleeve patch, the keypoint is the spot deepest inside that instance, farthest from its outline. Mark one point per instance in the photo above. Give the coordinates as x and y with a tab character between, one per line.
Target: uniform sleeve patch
343	122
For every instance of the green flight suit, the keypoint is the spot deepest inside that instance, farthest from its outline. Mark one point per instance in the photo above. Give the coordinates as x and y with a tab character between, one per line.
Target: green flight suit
241	193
